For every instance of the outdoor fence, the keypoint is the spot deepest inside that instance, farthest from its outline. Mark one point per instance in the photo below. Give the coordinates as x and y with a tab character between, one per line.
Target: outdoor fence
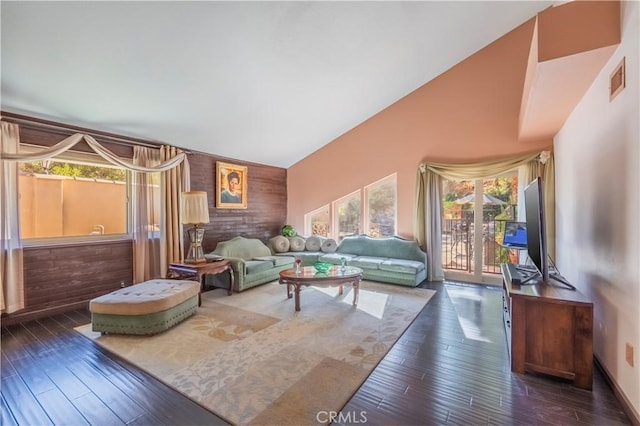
458	245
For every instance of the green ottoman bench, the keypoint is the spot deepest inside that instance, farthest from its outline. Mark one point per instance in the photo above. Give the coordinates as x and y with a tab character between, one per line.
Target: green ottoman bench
146	308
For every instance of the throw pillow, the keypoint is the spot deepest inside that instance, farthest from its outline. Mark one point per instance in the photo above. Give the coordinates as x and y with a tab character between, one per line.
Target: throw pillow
313	243
329	246
296	244
280	244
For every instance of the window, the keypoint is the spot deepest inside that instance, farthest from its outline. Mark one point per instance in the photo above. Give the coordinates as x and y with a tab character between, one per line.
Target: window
318	222
382	207
348	215
75	195
371	210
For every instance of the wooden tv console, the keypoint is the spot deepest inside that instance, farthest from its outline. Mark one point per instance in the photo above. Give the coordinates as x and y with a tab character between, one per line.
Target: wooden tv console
549	329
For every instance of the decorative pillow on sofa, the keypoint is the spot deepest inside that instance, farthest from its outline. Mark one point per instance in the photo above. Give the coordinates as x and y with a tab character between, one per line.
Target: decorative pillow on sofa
313	243
280	244
296	244
329	246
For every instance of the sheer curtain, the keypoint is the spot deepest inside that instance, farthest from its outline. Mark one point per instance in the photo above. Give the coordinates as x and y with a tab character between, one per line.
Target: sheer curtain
531	170
174	183
146	247
11	275
72	140
173	164
428	219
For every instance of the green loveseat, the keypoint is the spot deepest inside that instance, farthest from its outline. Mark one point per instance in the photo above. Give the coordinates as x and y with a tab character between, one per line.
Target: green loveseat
252	262
392	259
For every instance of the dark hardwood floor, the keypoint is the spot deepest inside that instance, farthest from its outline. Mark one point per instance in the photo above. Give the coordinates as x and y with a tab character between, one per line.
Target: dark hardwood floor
53	375
450	367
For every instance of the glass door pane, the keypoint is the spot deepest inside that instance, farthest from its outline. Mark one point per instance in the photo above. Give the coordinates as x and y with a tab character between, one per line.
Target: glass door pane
500	205
463	248
457	225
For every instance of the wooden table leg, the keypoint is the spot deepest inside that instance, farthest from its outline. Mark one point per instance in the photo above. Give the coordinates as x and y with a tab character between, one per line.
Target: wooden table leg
297	291
340	290
356	288
289	295
203	279
231	280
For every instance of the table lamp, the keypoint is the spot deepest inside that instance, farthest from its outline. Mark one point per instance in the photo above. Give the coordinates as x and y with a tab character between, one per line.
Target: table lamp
195	211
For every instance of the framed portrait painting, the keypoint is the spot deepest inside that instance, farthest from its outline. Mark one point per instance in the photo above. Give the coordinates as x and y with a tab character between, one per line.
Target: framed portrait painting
231	186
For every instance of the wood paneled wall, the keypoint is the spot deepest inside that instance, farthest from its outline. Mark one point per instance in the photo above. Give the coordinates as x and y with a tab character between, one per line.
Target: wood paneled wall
35	134
266	209
62	277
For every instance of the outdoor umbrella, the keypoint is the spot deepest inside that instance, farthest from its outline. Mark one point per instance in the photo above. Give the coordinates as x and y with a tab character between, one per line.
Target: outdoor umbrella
486	199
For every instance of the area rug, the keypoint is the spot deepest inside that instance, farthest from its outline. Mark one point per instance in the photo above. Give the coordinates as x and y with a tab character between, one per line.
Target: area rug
251	359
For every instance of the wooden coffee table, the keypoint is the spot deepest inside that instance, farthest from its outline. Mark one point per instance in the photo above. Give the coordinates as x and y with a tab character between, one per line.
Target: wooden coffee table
336	276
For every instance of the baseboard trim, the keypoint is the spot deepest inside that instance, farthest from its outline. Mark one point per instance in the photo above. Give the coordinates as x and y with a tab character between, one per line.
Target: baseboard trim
42	313
622	398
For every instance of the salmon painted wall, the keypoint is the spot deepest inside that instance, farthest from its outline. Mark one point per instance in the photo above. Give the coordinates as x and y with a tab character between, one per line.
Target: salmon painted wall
469	113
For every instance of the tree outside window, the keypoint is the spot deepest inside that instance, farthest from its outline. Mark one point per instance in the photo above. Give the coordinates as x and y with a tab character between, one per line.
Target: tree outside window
371	210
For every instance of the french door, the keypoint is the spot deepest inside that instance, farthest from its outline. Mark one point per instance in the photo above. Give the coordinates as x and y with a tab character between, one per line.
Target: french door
473	224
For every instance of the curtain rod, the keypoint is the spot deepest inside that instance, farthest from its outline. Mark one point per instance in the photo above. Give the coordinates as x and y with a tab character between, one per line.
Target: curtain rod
39	123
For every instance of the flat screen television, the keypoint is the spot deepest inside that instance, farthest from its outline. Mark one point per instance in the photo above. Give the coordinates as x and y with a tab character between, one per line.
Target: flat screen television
536	230
537	235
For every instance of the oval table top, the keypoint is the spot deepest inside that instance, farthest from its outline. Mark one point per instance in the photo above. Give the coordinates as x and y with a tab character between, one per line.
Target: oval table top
309	273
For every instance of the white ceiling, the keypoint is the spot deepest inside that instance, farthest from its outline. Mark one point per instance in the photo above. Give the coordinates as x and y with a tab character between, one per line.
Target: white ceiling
264	82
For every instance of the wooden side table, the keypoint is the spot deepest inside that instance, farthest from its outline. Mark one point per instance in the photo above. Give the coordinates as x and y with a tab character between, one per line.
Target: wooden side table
199	271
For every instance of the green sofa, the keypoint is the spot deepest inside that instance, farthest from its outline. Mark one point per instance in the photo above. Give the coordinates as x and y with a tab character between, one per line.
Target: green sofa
391	259
252	261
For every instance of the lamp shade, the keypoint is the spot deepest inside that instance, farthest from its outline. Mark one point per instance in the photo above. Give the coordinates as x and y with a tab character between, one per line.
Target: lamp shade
195	209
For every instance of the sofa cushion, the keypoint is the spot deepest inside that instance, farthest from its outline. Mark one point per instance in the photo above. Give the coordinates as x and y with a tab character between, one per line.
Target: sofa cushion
244	248
283	260
402	265
296	243
276	260
329	245
280	244
308	257
335	258
313	243
382	247
255	266
367	262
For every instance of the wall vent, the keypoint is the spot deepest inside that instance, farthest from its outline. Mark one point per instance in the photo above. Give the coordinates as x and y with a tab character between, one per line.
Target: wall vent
616	81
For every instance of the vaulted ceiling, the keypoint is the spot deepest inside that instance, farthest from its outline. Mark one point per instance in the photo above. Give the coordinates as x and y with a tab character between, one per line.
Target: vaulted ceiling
265	82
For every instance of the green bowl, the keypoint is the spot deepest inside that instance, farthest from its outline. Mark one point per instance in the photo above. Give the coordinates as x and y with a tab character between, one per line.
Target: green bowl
322	267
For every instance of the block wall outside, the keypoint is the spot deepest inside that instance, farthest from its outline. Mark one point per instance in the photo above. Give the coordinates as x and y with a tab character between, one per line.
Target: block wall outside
52	206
